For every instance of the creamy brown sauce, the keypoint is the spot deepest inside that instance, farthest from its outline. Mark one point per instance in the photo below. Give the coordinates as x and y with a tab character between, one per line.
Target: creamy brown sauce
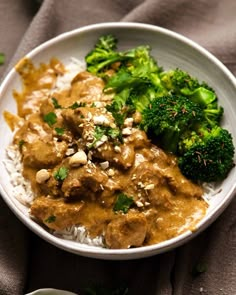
165	205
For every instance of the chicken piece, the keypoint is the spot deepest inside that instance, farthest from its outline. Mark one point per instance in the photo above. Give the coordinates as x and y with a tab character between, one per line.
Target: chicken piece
139	139
56	213
39	150
126	231
40	154
50	187
84	120
78	119
178	183
34	128
159	179
106	199
149	186
84	181
86	87
122	156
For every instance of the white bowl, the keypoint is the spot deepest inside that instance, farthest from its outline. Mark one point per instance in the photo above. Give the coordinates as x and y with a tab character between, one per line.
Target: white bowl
49	291
171	50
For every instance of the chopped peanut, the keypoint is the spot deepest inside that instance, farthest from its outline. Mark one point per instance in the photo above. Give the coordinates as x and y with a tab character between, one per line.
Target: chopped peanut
79	158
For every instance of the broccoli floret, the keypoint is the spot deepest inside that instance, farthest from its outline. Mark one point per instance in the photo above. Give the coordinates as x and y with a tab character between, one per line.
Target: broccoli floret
107	42
103	54
207	154
180	82
123	80
143	65
213	114
137	81
168	117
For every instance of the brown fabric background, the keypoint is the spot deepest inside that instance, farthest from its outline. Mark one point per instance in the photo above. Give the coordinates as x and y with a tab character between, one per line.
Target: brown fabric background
27	262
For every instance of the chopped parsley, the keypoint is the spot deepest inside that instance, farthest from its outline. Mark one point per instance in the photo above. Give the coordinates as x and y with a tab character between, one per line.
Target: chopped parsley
59	131
50	219
61	174
99	131
119	118
2	58
113	132
123	203
97	135
50	118
76	105
21	143
117	115
55	103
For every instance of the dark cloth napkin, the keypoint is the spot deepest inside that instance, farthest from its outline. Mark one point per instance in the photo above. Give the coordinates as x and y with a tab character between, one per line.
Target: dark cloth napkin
26	261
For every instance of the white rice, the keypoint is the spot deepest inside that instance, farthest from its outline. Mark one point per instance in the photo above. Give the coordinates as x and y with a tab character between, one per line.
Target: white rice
21	187
74	67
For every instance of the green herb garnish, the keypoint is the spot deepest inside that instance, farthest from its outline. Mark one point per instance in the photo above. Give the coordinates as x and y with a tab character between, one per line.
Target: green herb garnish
117	115
59	131
21	143
113	133
55	103
97	135
61	174
76	105
2	58
50	118
50	219
123	203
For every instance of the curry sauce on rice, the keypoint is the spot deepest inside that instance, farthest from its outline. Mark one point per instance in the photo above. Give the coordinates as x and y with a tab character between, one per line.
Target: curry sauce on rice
87	171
